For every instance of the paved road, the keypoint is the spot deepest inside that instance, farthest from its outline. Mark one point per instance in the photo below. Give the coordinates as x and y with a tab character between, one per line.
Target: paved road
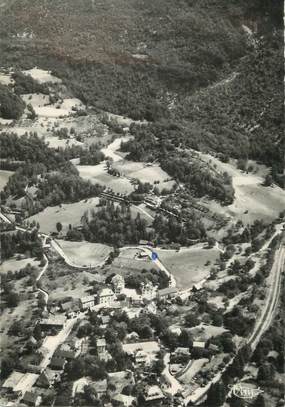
175	386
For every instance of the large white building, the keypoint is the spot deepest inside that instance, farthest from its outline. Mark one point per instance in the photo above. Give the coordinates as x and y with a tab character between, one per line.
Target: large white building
106	296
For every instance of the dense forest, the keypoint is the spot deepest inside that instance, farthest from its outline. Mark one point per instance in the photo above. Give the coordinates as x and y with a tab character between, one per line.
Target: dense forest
115	225
28	243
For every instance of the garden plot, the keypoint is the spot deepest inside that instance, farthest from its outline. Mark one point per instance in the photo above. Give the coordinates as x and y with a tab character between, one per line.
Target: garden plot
194	367
4	177
190	265
85	253
65	214
203	332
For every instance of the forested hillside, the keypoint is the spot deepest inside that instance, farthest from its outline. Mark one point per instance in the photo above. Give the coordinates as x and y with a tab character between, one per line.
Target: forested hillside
212	68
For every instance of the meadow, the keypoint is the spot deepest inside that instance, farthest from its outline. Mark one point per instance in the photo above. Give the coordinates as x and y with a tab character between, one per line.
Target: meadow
190	265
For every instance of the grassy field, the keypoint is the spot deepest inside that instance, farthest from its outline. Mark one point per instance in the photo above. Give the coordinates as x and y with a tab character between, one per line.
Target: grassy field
65	213
252	200
13	264
145	174
4	177
188	265
85	253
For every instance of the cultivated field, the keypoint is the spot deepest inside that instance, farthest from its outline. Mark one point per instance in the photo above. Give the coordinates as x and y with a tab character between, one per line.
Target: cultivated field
4	177
188	266
85	253
65	213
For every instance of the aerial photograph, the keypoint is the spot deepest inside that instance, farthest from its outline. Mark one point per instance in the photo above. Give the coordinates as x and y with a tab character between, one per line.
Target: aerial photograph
142	203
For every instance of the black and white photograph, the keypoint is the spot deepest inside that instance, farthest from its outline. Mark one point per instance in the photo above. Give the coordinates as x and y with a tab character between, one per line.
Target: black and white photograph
142	203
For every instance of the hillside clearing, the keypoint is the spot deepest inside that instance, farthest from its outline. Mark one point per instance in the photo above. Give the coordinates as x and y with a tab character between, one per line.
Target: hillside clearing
66	214
252	199
13	264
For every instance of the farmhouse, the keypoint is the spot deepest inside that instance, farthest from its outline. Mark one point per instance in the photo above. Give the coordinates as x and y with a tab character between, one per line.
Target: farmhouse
182	351
167	293
118	283
106	296
87	302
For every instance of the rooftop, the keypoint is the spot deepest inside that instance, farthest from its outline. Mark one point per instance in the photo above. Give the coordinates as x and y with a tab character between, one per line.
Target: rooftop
167	291
106	292
88	298
20	381
149	347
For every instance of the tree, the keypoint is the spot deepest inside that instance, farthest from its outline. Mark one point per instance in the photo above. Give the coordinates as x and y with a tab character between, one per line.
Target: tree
12	300
216	395
59	227
191	320
268	180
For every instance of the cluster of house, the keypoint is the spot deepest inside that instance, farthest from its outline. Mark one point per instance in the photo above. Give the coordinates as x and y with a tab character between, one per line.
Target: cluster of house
32	386
107	297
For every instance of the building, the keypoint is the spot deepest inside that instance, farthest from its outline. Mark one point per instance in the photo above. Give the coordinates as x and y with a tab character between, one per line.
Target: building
142	358
58	363
100	387
101	345
182	351
106	296
199	345
87	302
19	382
54	321
152	393
48	378
167	293
118	283
123	400
148	291
32	399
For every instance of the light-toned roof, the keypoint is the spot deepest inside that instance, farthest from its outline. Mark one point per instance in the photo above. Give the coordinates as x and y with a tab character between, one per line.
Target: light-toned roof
88	298
100	386
31	397
118	278
198	344
106	292
101	342
149	347
13	380
126	400
54	320
21	381
153	393
167	291
181	350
